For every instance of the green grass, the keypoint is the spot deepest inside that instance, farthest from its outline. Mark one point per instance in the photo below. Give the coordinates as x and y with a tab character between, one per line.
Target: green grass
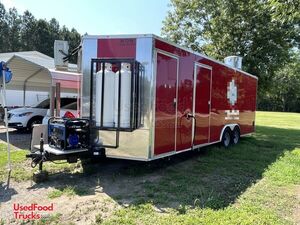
21	169
17	159
278	119
67	191
254	182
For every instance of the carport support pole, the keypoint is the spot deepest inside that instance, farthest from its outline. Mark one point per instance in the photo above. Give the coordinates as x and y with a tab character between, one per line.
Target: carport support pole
57	99
52	100
6	124
24	95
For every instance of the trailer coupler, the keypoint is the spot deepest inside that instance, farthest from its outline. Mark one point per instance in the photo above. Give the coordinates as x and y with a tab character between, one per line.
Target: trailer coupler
38	158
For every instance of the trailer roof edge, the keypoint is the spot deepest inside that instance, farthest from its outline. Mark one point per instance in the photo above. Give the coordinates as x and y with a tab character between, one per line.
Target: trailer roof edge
169	42
204	56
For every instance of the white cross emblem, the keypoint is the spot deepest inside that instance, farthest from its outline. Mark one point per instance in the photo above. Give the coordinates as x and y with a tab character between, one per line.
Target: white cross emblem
232	92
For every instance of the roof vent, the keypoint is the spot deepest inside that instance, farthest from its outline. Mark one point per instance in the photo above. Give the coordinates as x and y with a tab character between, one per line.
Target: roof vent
234	61
61	49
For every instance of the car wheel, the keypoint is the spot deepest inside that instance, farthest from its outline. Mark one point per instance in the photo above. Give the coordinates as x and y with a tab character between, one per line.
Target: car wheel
226	138
33	121
235	136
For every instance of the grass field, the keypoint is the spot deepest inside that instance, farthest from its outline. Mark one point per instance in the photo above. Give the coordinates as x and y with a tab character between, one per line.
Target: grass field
21	167
255	182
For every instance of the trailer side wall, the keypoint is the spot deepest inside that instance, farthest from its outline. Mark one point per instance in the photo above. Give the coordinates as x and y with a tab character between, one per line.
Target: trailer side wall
203	88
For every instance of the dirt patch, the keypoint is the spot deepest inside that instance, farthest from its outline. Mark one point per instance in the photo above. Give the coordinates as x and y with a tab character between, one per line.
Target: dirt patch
296	214
78	209
97	194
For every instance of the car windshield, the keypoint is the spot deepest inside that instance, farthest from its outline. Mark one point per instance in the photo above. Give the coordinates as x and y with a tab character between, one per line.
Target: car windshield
63	102
43	105
72	106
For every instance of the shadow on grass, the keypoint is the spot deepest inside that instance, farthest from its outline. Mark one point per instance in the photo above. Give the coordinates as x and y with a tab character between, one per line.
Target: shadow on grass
213	177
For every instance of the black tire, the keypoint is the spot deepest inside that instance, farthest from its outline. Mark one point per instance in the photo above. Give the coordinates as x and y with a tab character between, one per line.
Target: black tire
235	136
226	138
34	120
101	157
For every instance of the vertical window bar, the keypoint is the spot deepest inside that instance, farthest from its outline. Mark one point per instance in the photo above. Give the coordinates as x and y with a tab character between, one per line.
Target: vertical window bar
131	94
102	95
119	97
137	95
91	96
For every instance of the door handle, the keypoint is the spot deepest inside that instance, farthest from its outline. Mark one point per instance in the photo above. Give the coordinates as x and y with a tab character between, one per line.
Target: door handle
189	115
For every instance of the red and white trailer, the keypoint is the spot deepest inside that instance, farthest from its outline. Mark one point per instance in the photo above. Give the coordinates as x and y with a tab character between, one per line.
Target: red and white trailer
148	98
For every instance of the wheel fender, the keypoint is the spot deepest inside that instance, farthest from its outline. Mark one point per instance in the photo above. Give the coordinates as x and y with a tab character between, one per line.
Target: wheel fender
230	126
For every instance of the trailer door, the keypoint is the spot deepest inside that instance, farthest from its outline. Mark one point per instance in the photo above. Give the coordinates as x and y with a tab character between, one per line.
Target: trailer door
165	105
201	104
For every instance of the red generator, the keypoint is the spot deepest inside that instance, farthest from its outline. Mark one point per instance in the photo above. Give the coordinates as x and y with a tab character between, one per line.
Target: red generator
147	98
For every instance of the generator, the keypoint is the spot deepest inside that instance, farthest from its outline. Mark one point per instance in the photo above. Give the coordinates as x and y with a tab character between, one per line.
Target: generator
68	134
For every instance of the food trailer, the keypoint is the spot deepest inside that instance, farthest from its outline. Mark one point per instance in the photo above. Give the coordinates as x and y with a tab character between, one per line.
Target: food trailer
173	99
144	98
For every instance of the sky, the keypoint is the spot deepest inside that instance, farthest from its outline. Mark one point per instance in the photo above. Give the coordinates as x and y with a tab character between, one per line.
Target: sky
99	17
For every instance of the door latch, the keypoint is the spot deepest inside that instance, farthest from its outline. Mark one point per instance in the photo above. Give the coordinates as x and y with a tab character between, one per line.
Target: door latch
189	115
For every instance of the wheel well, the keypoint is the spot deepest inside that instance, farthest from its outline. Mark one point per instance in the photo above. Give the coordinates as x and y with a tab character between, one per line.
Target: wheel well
33	118
231	127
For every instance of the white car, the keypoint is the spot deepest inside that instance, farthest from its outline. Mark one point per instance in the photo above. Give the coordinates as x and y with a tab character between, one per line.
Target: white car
67	111
28	116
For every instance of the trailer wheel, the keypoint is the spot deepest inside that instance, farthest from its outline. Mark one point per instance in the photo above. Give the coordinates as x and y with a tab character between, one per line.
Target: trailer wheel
226	138
235	135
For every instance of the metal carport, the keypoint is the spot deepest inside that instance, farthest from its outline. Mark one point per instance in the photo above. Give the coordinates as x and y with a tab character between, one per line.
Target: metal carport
35	71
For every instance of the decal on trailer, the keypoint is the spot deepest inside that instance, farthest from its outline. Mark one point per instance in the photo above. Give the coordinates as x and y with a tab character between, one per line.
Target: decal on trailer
232	98
232	92
232	114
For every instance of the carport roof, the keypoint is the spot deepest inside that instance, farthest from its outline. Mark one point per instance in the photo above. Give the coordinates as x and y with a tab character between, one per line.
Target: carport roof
31	56
33	70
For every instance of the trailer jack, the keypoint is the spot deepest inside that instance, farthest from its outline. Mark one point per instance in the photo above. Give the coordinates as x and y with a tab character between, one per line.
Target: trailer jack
38	158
